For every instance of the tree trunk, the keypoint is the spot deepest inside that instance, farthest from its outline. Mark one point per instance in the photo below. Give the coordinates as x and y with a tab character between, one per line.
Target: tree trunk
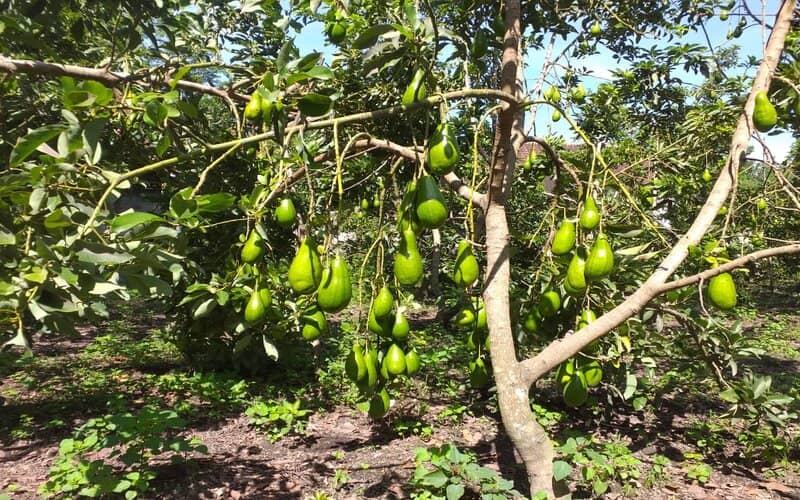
529	438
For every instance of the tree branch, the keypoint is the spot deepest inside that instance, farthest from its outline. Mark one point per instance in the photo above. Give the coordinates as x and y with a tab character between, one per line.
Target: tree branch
729	266
561	350
453	181
108	78
223	146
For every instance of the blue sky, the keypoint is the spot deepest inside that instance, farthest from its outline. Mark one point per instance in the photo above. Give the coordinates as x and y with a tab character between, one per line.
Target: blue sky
751	43
602	63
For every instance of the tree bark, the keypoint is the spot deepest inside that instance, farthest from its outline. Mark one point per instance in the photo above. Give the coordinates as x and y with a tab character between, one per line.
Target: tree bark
528	437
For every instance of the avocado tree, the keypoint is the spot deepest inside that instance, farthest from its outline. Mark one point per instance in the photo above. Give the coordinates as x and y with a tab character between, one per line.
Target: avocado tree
257	154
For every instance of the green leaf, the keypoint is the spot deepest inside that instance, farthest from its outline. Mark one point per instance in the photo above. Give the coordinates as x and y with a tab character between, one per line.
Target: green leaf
108	258
283	55
37	311
7	289
103	95
204	308
163	145
18	340
57	220
632	250
561	470
454	491
91	140
729	395
371	34
761	386
215	202
7	237
437	479
155	113
313	104
599	487
251	6
35	138
130	220
38	275
182	206
630	386
179	76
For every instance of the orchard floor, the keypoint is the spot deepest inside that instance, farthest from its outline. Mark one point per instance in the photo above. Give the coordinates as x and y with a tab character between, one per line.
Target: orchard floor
343	454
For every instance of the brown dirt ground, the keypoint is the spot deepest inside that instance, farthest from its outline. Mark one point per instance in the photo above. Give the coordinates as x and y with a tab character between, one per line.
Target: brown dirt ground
243	464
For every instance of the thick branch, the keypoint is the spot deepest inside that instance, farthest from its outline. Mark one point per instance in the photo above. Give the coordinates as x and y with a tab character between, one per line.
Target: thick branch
729	266
559	351
108	78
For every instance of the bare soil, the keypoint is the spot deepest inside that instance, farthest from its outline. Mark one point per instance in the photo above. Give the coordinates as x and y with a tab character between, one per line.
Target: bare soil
346	455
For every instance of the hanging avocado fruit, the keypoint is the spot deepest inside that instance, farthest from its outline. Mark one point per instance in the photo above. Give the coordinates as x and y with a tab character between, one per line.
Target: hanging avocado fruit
480	44
253	248
368	384
442	150
383	303
305	271
553	94
266	297
465	318
549	304
314	324
252	111
532	321
336	30
285	213
400	328
576	279
382	326
416	90
429	203
412	363
578	93
587	316
481	321
556	116
576	391
395	360
335	289
591	370
478	374
355	367
590	215
408	262
706	175
722	291
600	262
466	268
255	310
379	404
764	115
564	239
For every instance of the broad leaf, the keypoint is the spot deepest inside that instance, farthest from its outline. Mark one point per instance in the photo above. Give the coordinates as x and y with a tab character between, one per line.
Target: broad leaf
370	35
28	144
313	104
561	470
130	220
